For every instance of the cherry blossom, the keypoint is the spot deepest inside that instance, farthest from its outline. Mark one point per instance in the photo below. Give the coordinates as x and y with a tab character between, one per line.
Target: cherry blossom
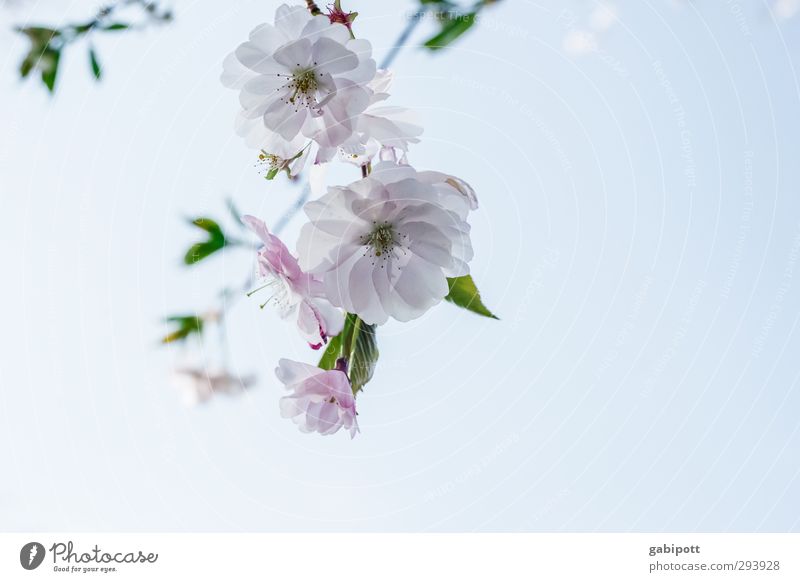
385	245
293	292
303	75
378	127
319	401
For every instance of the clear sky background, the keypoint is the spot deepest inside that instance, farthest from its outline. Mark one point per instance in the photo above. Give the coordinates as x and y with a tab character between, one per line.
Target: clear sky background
639	235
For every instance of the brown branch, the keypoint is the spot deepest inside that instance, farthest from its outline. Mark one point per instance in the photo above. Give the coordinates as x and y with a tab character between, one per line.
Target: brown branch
313	8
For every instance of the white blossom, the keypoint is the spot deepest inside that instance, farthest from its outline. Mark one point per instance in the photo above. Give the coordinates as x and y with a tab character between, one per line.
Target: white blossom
304	75
379	127
385	245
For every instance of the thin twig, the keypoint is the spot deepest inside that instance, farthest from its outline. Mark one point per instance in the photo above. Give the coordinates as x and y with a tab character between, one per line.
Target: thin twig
293	209
415	19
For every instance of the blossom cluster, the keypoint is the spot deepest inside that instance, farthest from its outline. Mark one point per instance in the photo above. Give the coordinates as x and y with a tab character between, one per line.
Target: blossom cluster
387	246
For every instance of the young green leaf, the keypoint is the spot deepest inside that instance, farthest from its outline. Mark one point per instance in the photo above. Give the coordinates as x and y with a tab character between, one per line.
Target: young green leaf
216	241
48	63
452	28
117	26
464	293
186	325
208	225
27	64
97	71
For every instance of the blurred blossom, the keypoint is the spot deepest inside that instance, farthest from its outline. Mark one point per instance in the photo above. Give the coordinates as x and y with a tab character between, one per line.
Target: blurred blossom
785	9
603	17
197	385
580	41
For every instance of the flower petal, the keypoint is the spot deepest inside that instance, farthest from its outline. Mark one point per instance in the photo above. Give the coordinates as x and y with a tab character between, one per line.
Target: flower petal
331	57
290	372
294	54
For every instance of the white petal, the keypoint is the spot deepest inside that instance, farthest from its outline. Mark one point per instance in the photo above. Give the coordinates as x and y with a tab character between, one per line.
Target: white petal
234	73
337	280
284	119
333	317
290	20
314	248
290	406
264	84
253	57
364	73
329	421
294	54
382	80
420	285
331	57
268	38
290	372
316	179
363	296
320	27
389	173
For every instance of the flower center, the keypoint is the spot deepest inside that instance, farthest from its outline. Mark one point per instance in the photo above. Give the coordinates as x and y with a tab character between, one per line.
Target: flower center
381	239
303	87
271	160
280	295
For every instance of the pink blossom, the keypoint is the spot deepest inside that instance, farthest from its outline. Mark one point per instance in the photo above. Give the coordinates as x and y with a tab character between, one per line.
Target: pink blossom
320	400
293	292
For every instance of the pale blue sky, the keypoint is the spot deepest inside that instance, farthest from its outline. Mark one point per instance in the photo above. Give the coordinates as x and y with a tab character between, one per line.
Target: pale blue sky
638	234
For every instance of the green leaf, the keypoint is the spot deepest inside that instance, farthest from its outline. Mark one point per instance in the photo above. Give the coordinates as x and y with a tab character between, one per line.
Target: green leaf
97	71
208	225
48	63
42	54
333	351
357	344
363	355
464	293
27	64
117	26
186	326
216	241
199	251
39	35
84	28
272	173
452	28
